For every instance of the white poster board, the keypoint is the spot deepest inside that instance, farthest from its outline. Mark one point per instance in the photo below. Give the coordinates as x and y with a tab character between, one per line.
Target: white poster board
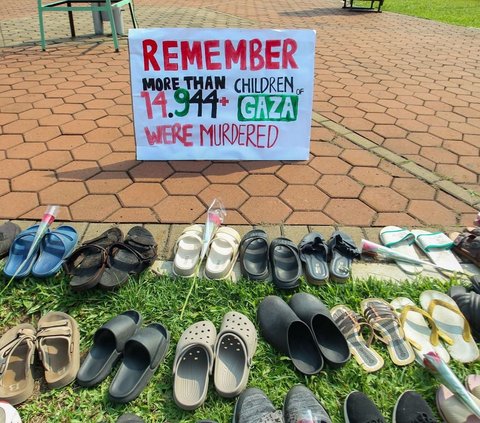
222	94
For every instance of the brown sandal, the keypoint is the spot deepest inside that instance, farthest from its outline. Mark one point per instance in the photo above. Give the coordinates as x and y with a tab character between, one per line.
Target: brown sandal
467	244
17	347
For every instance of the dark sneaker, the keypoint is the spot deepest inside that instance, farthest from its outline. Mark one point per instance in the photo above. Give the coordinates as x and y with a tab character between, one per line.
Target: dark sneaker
301	406
253	406
358	408
412	408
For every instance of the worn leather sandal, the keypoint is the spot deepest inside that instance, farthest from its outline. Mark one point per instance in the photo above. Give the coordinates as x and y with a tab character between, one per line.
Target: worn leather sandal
17	347
87	263
131	257
467	244
58	344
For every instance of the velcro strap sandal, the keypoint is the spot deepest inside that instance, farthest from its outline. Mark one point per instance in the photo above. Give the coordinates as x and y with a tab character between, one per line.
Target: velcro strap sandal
235	346
193	364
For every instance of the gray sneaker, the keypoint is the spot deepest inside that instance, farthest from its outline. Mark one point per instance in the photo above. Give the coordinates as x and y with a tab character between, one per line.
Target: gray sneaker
301	406
253	406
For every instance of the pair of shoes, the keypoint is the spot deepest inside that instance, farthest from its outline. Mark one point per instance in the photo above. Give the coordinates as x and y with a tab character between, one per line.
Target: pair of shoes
409	408
109	260
451	409
221	256
280	259
142	351
200	349
57	340
300	405
303	330
316	254
48	257
8	232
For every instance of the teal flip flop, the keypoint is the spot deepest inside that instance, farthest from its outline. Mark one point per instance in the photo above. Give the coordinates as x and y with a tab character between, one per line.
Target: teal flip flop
55	248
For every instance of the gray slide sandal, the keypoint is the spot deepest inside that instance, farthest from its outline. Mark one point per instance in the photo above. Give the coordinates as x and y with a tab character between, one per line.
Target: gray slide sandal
193	364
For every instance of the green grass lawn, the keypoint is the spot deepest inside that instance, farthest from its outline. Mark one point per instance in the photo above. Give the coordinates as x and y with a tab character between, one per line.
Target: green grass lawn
456	12
160	299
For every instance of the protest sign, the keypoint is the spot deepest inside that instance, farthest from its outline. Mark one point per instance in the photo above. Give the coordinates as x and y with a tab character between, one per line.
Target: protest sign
222	94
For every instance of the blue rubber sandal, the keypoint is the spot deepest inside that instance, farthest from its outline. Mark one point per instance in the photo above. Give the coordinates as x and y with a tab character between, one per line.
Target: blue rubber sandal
55	248
19	252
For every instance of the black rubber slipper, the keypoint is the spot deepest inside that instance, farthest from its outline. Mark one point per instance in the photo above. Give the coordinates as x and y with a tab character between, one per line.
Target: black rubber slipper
342	252
285	263
130	418
108	344
8	232
142	355
282	329
330	340
314	254
254	255
469	304
131	257
88	262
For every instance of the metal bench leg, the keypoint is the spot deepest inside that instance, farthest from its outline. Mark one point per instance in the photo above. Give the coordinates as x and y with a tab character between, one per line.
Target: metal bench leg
132	14
70	20
42	29
112	24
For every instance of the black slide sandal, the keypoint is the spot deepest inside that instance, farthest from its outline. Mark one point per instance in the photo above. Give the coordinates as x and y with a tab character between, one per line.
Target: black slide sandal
108	345
314	254
286	264
342	250
142	355
254	255
282	329
330	340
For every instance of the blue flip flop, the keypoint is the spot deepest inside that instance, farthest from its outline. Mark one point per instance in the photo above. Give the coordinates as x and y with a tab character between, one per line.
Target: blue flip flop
55	247
19	252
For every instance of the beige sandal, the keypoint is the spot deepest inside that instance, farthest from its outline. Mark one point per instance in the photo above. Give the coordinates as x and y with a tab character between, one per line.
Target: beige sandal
58	343
17	347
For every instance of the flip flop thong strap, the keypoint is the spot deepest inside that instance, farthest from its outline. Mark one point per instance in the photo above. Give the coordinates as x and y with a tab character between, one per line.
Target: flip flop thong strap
23	335
467	334
399	236
434	336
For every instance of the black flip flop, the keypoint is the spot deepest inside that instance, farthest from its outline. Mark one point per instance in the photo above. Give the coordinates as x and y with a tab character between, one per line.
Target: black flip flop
142	355
342	252
8	232
108	344
285	263
314	254
88	262
131	257
282	329
330	340
254	255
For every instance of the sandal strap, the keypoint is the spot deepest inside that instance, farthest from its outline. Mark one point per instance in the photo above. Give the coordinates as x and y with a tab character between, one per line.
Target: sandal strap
23	335
467	334
143	261
434	336
344	246
350	322
58	329
78	256
398	236
379	313
318	245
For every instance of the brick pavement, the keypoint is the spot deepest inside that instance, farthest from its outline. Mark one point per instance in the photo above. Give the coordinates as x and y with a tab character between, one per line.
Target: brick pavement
395	136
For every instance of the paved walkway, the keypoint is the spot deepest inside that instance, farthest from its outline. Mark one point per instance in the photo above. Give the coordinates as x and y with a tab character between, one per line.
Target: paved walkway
395	131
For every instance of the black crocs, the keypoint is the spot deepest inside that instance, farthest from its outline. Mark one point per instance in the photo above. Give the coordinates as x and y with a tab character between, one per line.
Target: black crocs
314	254
285	263
342	252
108	344
469	304
254	255
131	257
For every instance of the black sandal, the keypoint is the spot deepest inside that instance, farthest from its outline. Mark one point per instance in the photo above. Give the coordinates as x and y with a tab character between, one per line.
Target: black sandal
285	263
314	254
342	251
131	257
254	255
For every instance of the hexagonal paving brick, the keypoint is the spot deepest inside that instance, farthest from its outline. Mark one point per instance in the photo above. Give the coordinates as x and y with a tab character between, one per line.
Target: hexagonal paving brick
360	158
26	150
472	163
232	195
383	199
13	167
113	121
142	195
413	188
78	171
19	126
266	185
322	148
33	181
298	174
103	135
108	182
51	160
90	114
91	151
63	193
118	161
456	173
14	204
133	215
65	142
179	209
260	166
4	187
330	166
349	212
151	172
371	176
339	186
189	165
439	155
227	173
395	219
259	210
77	127
304	197
431	213
308	218
94	208
185	183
